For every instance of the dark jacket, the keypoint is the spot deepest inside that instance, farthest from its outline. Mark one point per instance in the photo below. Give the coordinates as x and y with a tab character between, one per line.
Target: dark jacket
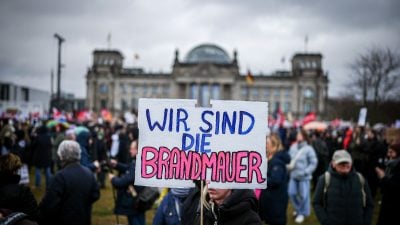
70	196
276	194
390	187
86	160
191	208
17	198
125	203
343	201
240	208
167	213
123	155
41	147
375	150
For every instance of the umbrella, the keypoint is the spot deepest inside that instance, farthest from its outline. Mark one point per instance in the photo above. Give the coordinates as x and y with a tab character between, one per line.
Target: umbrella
53	123
81	129
315	125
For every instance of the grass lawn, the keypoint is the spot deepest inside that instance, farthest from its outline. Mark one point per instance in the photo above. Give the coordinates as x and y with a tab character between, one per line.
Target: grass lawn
103	208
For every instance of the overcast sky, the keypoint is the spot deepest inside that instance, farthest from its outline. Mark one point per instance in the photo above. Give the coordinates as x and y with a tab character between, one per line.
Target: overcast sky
262	31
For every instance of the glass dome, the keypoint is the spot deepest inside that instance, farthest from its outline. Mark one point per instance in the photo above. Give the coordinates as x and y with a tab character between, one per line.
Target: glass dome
207	53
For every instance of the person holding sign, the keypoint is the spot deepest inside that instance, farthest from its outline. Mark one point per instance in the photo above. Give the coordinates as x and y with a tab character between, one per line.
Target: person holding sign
276	194
230	206
302	165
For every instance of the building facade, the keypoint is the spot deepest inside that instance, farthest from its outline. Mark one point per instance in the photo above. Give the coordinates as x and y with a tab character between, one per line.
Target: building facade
207	72
20	99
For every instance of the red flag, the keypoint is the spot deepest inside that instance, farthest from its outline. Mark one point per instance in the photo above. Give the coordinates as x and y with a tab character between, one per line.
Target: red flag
107	116
280	118
82	115
309	118
56	114
271	121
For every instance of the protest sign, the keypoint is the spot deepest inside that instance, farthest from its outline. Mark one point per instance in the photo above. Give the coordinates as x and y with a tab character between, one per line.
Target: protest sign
223	145
362	117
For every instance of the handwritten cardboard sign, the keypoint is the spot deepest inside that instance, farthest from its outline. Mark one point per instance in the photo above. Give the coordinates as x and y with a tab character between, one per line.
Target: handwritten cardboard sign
223	145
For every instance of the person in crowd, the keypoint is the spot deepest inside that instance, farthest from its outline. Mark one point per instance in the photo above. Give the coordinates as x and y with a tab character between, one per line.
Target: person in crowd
124	142
302	165
277	176
127	193
120	145
58	137
13	196
41	159
99	146
171	208
321	149
191	206
347	137
6	133
72	191
114	150
357	151
342	195
230	206
332	142
390	186
20	149
291	138
70	134
83	137
375	151
20	146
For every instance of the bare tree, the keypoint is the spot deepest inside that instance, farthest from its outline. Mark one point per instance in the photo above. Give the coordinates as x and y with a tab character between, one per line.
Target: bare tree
375	74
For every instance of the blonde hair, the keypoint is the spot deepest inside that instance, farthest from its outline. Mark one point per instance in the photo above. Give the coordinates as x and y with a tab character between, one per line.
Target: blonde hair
275	142
206	198
10	163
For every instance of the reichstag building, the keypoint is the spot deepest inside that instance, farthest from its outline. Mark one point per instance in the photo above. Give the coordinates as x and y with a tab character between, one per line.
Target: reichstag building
207	72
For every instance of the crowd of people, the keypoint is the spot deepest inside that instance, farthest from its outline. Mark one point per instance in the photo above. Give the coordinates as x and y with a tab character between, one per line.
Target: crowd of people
338	172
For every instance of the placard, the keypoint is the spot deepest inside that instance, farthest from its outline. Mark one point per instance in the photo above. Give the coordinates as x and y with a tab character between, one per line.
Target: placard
224	145
362	117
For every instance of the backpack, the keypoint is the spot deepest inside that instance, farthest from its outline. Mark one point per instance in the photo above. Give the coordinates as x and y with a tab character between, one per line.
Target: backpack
327	177
147	197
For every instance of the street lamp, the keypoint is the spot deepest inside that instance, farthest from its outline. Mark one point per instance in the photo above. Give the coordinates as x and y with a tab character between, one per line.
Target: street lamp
60	41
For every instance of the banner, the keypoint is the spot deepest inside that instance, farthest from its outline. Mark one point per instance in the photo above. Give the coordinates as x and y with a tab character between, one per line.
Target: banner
223	145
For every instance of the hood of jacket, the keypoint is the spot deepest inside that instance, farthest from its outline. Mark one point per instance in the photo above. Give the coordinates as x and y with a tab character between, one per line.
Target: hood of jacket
83	139
281	157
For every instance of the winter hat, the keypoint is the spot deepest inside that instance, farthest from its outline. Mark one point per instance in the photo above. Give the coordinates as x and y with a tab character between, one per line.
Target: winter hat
341	156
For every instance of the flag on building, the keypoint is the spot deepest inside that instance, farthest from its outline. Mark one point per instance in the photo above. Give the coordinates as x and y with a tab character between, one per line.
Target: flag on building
249	78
